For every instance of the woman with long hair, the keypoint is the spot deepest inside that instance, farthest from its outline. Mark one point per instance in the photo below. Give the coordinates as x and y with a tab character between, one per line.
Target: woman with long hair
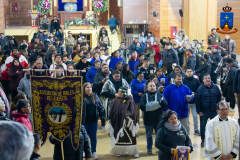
137	68
15	74
127	73
92	109
171	133
123	125
138	48
150	52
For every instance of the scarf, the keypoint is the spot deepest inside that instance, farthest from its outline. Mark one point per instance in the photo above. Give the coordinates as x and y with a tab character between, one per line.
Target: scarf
172	127
18	67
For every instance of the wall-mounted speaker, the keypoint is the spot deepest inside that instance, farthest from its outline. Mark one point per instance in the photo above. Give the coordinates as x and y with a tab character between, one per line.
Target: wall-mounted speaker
154	14
181	12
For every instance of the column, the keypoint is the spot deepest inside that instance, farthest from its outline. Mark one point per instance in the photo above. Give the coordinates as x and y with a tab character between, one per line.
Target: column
85	6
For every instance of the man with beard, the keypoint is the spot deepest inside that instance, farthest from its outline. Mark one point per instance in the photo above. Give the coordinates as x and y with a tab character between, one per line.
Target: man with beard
83	64
178	96
216	58
207	97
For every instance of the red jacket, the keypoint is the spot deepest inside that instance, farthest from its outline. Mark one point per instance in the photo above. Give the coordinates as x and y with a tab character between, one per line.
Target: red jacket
22	118
157	55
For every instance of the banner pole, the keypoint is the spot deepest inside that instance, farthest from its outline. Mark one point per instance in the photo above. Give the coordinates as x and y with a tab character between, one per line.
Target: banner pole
62	150
53	62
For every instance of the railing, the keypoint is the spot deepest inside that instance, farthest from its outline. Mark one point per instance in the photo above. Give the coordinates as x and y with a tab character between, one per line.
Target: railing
121	27
108	45
18	20
88	18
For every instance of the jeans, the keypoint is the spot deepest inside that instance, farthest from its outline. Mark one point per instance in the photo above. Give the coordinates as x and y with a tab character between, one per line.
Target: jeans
194	114
149	132
45	26
231	97
112	28
169	69
214	76
203	121
91	129
185	123
69	50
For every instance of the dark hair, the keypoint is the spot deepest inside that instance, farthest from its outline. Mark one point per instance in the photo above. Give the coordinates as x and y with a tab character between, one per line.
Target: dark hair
104	64
233	56
206	74
178	66
188	67
151	77
116	72
138	65
146	59
219	104
122	42
230	60
59	66
139	73
14	103
57	55
12	65
21	104
84	57
165	118
64	56
140	54
3	60
190	50
96	61
210	47
213	29
44	31
177	75
167	44
1	53
15	48
124	69
32	62
37	139
206	56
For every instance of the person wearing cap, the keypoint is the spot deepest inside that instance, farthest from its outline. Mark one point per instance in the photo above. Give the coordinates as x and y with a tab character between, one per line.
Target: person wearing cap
122	125
228	45
233	68
216	58
59	47
169	56
214	38
59	35
150	38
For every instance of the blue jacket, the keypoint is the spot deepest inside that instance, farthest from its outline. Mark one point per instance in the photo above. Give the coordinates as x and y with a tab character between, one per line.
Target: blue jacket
141	39
143	46
207	98
93	60
175	97
91	74
136	70
112	22
139	50
166	80
45	37
137	87
114	61
132	63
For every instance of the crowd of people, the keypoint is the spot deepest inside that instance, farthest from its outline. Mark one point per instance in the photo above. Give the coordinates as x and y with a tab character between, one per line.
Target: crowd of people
121	88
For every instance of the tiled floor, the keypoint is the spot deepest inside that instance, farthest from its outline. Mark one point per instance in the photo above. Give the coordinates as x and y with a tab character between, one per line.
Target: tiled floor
103	146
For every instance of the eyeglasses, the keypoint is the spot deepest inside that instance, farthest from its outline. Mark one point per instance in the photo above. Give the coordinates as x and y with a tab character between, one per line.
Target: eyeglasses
223	110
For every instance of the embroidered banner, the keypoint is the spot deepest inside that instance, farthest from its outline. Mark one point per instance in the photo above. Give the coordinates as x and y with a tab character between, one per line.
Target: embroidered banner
57	107
181	154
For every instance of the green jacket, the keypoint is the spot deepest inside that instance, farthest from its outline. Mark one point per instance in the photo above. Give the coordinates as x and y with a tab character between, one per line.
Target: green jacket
69	42
150	55
44	21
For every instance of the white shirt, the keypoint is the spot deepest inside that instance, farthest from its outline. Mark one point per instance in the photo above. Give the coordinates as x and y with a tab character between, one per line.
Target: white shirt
104	58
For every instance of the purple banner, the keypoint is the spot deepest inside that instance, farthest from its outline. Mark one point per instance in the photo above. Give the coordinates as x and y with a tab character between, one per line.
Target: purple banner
57	107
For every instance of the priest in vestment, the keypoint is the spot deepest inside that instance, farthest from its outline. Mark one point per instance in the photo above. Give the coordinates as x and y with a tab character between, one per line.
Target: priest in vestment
222	135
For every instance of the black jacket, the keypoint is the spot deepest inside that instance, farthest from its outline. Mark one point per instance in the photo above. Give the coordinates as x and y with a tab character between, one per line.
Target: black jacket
199	60
59	36
146	71
207	98
166	139
205	68
152	117
236	82
216	58
34	156
41	73
230	76
3	42
99	108
59	48
40	35
192	83
80	65
169	57
33	56
191	62
98	82
69	151
180	52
